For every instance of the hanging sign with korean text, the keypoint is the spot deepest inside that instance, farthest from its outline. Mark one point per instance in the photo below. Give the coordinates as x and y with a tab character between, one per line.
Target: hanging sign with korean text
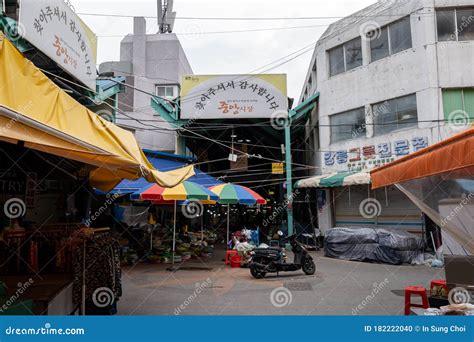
233	96
367	157
278	168
56	30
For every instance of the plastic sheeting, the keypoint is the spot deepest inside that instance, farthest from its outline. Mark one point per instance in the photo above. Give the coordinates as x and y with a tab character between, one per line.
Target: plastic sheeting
372	245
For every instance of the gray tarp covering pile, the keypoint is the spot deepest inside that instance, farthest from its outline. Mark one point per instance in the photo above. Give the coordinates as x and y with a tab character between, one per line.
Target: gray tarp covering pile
372	244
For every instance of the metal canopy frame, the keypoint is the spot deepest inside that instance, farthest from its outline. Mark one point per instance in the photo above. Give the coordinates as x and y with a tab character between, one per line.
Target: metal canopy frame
297	117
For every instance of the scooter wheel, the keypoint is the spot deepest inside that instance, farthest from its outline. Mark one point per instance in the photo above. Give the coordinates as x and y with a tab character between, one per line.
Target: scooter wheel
309	267
256	272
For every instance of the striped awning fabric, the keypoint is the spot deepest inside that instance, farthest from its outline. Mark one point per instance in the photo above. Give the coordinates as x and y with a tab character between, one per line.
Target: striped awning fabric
335	179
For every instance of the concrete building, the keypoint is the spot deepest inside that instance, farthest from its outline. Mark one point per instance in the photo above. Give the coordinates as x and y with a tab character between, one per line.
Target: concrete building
152	64
393	78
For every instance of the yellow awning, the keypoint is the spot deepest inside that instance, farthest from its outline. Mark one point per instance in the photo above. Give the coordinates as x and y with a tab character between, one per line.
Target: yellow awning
34	110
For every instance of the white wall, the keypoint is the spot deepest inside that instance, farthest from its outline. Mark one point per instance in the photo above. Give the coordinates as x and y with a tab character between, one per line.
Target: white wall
424	69
156	59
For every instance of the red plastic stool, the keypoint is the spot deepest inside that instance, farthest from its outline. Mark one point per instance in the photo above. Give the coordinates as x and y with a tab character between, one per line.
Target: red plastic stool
415	290
235	261
439	283
229	254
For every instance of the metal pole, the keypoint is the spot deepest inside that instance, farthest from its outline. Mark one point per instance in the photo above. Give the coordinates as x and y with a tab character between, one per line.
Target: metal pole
289	185
228	223
174	230
202	226
232	136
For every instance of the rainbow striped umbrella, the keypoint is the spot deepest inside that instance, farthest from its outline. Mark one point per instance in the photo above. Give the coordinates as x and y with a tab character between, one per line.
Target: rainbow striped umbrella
236	194
181	192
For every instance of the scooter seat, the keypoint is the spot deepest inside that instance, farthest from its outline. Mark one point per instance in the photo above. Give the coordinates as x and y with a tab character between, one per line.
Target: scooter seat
268	252
278	249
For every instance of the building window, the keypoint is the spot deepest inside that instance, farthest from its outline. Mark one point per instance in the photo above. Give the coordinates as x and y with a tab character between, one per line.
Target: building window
345	57
347	125
167	91
455	24
379	45
390	39
446	23
353	53
465	24
400	35
336	61
458	105
395	114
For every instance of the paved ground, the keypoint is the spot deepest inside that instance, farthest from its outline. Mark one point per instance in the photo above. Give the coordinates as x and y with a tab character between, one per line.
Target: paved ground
338	288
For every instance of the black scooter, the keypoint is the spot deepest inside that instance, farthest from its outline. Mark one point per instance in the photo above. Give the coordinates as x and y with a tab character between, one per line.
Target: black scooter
272	259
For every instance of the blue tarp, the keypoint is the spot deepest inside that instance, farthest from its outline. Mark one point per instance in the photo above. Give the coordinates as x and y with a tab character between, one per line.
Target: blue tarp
204	179
162	164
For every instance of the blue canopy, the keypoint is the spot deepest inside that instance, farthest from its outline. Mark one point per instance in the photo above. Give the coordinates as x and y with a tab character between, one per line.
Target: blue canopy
204	179
162	164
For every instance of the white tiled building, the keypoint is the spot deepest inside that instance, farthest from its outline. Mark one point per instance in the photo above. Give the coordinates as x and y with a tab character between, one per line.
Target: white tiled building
394	77
151	64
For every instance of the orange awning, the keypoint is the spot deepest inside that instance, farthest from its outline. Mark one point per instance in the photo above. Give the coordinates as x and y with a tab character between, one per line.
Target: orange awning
448	155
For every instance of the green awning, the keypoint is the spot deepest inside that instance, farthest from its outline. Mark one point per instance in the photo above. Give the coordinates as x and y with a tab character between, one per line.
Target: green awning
335	179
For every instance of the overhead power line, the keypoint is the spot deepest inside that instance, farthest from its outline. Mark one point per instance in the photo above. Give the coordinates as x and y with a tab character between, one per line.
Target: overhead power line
198	33
252	18
235	150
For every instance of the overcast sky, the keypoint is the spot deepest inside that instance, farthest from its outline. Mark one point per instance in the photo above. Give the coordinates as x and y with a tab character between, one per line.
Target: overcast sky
225	53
